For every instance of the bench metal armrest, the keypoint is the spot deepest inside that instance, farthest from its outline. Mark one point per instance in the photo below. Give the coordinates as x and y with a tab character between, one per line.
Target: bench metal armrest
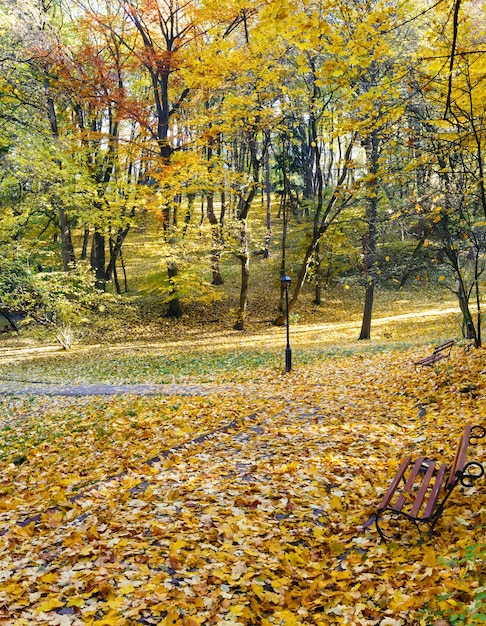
471	472
477	433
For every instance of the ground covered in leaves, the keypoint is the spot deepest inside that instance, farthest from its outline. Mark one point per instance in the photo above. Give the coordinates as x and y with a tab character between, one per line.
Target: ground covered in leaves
248	504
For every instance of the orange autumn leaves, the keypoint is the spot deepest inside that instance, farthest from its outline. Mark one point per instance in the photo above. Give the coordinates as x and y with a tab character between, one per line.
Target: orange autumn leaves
265	522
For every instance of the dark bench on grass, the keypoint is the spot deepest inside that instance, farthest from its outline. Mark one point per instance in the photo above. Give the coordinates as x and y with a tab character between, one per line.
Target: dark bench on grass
439	353
421	487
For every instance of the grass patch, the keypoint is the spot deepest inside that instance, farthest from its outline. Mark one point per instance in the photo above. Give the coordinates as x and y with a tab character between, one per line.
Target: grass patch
168	352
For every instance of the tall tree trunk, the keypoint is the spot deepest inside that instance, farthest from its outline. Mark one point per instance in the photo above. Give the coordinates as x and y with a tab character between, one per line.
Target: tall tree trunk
244	257
468	328
215	231
245	281
463	294
216	240
115	251
367	311
244	205
283	260
158	63
318	278
114	272
478	340
369	239
124	269
268	196
67	248
84	250
97	259
308	162
175	308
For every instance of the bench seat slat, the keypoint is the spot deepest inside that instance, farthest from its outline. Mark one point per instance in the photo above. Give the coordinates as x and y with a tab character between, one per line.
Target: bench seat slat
406	492
438	353
394	484
430	360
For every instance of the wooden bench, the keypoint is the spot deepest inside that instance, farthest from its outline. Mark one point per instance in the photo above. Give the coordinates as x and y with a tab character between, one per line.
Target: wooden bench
439	353
421	487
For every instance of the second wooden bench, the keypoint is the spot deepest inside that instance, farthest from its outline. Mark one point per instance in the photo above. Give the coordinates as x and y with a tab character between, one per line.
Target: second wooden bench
439	353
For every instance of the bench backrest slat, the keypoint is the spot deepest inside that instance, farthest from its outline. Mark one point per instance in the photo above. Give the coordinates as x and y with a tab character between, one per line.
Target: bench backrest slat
460	458
434	494
414	511
444	346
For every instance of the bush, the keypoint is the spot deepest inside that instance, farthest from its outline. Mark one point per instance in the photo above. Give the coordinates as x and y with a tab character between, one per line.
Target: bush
18	291
58	299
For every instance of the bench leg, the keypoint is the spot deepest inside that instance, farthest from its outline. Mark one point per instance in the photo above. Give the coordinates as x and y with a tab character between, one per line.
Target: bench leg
393	526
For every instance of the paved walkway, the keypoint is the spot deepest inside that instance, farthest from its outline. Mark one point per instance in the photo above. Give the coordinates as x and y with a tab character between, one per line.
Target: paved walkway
15	388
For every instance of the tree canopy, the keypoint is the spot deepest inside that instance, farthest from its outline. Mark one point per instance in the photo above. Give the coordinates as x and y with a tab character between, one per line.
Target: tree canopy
362	124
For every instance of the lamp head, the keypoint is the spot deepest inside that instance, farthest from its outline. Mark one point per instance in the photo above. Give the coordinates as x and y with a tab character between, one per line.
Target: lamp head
285	280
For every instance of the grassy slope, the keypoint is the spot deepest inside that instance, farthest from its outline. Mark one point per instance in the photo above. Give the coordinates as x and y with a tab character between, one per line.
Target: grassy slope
190	350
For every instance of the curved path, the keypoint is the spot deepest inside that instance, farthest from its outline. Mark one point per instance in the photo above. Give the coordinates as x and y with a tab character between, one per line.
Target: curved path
312	332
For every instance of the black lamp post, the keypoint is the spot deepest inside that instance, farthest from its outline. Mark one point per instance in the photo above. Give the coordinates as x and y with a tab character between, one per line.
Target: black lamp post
285	280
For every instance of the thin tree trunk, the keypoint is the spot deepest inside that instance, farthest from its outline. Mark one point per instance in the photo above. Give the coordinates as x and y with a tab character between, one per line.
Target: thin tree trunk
318	279
367	312
268	195
124	270
244	257
115	251
175	309
67	248
216	226
245	280
84	250
283	261
115	277
216	240
468	328
478	339
244	205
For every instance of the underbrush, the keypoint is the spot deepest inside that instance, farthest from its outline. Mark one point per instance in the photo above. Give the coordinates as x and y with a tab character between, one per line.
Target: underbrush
136	317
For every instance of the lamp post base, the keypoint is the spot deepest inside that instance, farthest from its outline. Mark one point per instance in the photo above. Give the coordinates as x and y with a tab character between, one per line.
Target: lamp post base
288	359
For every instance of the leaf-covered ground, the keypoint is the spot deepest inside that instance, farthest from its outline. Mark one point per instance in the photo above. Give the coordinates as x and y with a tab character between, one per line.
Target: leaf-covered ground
254	508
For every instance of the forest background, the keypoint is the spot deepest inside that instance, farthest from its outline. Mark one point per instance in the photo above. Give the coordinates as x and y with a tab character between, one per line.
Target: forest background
339	143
